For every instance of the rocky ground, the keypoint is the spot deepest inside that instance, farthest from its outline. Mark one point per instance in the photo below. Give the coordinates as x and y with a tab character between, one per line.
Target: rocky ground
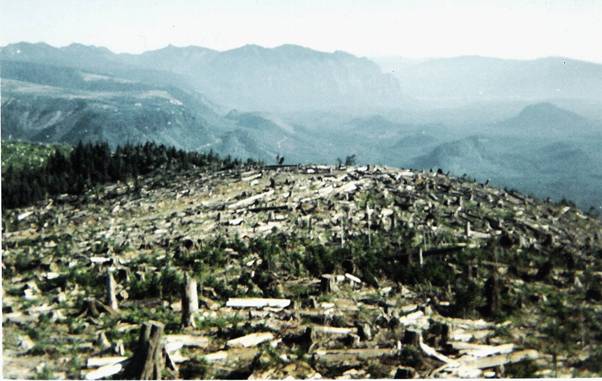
321	272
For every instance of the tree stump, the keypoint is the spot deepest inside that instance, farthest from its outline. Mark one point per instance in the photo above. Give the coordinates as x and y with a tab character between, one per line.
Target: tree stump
147	362
190	301
328	283
411	337
94	308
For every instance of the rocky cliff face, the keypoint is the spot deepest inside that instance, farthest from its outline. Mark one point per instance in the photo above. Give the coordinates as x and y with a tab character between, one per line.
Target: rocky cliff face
305	272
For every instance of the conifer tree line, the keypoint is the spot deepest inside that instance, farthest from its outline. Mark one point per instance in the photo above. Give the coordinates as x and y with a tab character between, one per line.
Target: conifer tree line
89	164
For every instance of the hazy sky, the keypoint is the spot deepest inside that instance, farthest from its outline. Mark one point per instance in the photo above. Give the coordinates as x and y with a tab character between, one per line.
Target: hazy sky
421	28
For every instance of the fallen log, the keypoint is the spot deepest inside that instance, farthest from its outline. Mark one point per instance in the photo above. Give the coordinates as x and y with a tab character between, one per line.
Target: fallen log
251	340
352	357
328	330
249	200
105	371
97	362
268	208
175	342
257	303
503	359
234	354
433	353
473	351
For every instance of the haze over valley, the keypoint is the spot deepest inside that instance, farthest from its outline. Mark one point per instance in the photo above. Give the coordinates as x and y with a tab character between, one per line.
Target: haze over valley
533	125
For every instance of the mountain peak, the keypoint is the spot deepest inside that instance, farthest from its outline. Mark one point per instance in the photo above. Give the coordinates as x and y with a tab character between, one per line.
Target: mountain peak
250	47
546	119
82	48
547	110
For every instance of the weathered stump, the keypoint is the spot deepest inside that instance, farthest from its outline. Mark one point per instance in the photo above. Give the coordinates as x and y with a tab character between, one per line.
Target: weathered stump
411	337
94	308
404	372
147	362
190	301
328	283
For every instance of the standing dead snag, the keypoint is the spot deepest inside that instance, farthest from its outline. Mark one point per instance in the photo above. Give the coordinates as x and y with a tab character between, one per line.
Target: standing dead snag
147	362
110	290
369	223
190	301
492	293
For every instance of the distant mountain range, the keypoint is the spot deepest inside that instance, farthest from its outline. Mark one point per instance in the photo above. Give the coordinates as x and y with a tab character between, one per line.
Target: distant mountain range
251	77
316	107
47	103
56	104
467	79
544	150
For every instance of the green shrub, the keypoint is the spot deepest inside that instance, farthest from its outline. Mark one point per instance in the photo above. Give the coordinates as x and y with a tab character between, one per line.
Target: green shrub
523	369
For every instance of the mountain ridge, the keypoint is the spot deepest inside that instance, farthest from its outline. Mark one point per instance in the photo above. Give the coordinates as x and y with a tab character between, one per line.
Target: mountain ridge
287	77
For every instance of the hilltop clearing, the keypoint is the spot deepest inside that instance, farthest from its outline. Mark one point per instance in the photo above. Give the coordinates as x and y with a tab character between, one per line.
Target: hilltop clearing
369	272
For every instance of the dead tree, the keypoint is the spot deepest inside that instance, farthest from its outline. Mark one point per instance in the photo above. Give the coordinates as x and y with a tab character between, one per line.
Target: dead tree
147	362
369	223
190	301
492	294
110	290
342	232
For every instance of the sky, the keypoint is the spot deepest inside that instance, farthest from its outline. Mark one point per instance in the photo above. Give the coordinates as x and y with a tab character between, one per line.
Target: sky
409	28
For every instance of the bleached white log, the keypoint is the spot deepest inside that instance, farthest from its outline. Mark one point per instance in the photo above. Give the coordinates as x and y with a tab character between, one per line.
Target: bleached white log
493	361
99	260
96	362
324	329
175	342
104	371
257	303
216	356
412	318
251	340
353	278
433	353
24	215
477	351
249	200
